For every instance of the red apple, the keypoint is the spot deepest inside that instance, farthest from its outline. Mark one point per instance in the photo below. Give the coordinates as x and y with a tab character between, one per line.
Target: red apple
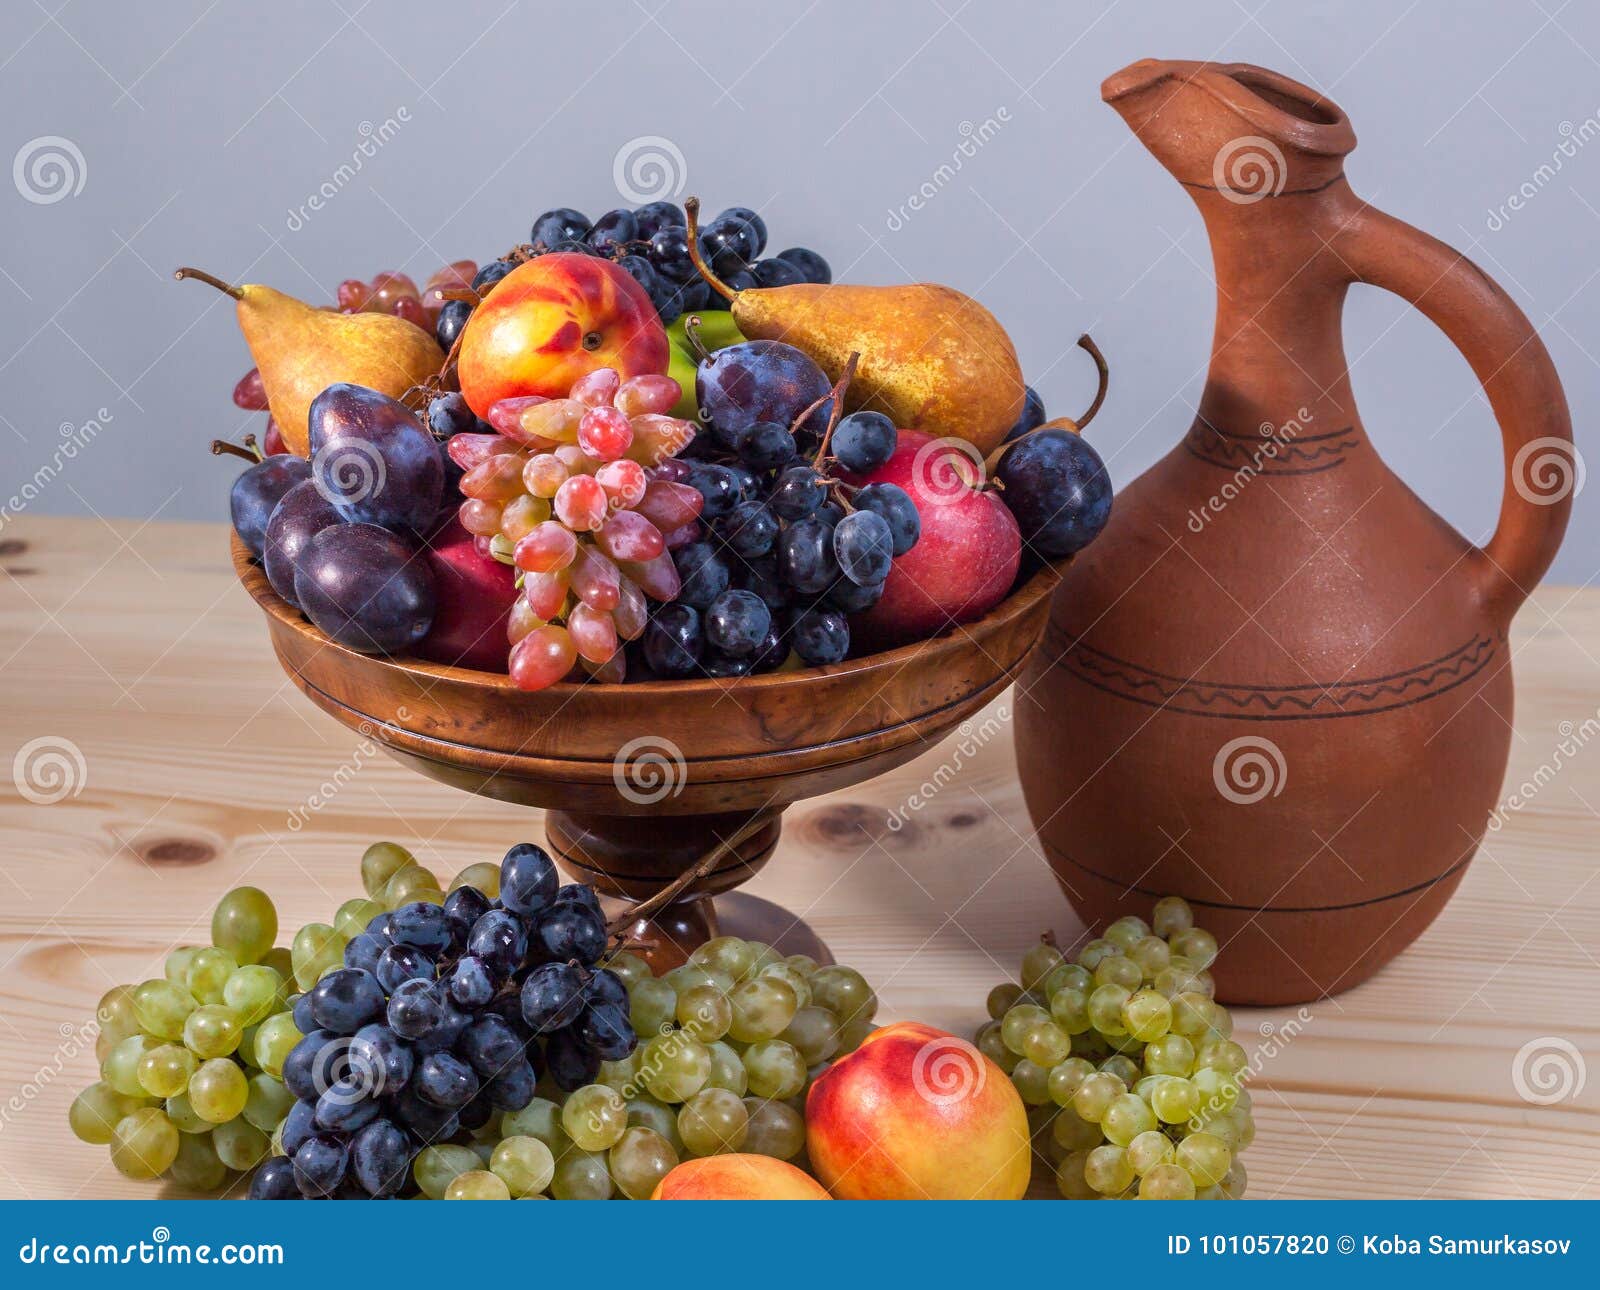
550	321
966	558
476	593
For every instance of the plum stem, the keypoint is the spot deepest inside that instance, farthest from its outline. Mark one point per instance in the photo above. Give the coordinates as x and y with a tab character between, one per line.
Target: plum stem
1086	343
200	275
692	210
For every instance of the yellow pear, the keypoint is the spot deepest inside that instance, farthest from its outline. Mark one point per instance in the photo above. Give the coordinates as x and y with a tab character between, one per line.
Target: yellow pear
932	358
300	350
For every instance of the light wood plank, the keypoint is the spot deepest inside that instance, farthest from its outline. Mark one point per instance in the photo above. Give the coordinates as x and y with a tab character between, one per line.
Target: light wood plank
134	643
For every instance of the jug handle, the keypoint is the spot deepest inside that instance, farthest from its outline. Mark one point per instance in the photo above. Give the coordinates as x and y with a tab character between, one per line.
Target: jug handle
1520	381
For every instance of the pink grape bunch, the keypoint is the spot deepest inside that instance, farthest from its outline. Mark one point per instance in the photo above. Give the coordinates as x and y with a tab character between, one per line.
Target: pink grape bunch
568	491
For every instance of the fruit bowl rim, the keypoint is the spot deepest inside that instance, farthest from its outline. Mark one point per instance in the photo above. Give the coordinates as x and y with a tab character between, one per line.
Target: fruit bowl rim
1040	583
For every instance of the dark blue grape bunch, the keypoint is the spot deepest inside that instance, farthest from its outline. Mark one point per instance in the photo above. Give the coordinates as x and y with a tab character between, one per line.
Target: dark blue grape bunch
786	549
442	1017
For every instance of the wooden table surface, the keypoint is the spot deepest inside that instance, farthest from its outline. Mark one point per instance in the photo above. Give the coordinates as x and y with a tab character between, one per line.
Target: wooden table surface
129	651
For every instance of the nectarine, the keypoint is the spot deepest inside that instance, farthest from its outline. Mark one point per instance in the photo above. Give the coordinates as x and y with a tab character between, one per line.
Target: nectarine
737	1176
551	320
916	1113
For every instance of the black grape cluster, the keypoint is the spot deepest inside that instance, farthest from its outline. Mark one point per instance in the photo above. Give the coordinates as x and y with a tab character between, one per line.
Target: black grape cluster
785	550
651	243
443	1016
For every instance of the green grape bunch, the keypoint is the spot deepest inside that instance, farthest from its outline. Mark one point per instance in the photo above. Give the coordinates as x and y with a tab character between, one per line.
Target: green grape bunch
1133	1082
191	1086
187	1086
730	1043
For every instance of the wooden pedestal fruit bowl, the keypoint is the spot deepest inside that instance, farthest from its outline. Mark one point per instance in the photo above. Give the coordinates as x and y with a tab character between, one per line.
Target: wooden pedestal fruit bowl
641	781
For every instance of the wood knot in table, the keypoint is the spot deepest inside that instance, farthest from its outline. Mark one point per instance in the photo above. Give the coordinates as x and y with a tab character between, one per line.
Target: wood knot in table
176	851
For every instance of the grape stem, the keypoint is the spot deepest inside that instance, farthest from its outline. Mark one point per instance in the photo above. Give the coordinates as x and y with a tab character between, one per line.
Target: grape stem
837	395
692	210
699	869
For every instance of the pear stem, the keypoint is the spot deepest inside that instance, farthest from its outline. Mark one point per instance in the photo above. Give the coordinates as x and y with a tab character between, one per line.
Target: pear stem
200	275
837	395
692	209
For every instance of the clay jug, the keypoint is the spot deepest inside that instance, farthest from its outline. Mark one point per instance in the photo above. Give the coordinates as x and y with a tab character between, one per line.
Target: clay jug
1279	685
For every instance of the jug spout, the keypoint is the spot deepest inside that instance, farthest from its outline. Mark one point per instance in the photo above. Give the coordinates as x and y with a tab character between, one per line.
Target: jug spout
1238	130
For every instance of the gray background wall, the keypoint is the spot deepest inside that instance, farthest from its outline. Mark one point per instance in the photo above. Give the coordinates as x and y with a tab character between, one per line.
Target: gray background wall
201	127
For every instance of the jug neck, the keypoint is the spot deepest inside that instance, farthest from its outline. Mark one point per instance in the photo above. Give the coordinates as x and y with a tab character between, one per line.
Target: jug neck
1277	354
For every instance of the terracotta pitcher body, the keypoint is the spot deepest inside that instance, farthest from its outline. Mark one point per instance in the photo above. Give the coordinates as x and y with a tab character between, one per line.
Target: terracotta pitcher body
1279	685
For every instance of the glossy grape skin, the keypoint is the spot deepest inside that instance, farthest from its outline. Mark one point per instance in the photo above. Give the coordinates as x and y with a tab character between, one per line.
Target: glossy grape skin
373	461
1057	487
733	239
758	380
820	637
524	1164
255	493
564	224
594	1117
211	1030
674	1067
380	1157
863	545
144	1144
895	506
863	441
582	1175
674	640
301	513
774	272
639	1161
253	992
245	924
806	559
95	1112
162	1008
380	862
812	267
736	623
367	588
218	1090
1167	1182
240	1145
